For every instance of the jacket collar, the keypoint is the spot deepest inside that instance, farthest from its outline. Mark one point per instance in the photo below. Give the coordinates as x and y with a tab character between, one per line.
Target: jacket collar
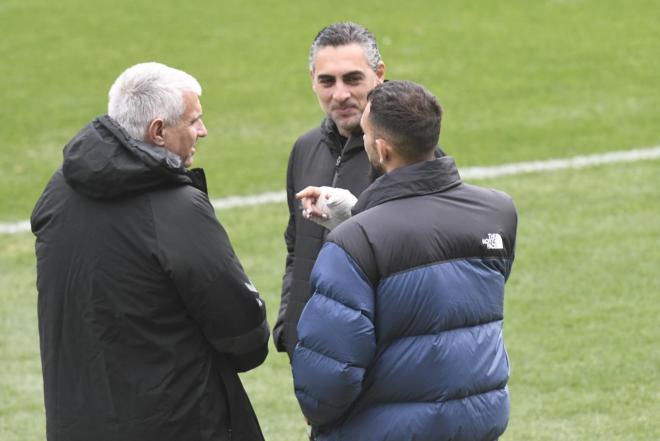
421	178
331	133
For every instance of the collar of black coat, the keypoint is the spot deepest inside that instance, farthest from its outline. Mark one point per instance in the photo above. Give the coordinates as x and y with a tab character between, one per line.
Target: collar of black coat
420	178
103	162
338	142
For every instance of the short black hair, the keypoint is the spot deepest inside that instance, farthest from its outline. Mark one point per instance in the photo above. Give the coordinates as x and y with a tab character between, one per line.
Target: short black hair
408	116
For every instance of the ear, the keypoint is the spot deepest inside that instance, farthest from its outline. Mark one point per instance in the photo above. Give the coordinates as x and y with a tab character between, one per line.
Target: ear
384	150
155	132
380	72
311	78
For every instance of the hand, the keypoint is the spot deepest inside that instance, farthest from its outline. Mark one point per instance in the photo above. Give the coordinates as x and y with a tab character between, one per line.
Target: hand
327	206
313	203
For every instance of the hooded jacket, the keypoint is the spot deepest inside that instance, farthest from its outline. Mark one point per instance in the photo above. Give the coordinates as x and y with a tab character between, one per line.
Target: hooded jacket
402	337
145	312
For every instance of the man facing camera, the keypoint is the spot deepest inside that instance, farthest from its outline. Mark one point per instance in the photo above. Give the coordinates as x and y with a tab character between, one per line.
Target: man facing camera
145	313
344	65
402	337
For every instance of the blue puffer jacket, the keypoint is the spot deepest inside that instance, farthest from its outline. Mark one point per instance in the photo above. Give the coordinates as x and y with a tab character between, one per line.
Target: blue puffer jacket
402	338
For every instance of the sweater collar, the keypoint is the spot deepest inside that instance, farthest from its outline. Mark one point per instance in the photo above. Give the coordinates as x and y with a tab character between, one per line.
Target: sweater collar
420	178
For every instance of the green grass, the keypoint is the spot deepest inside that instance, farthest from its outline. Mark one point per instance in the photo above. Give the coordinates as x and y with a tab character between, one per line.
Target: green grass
581	311
582	305
518	80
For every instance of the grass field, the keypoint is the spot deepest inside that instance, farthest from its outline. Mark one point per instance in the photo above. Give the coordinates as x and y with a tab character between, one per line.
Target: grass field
518	80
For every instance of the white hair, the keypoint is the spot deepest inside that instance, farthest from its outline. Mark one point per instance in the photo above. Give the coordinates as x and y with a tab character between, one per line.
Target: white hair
148	91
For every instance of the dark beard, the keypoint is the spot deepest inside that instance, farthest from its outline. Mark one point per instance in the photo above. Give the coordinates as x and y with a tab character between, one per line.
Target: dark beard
375	172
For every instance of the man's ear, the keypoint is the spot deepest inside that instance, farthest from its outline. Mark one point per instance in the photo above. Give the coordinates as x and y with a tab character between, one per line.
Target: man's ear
155	132
380	72
384	150
311	78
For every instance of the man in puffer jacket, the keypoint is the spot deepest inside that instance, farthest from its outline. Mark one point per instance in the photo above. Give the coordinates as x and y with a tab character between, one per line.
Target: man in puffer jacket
145	313
402	338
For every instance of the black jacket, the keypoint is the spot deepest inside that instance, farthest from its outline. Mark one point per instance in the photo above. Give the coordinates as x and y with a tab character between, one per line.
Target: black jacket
145	313
319	157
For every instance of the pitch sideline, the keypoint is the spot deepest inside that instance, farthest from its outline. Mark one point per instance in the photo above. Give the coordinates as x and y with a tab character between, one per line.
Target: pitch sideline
467	173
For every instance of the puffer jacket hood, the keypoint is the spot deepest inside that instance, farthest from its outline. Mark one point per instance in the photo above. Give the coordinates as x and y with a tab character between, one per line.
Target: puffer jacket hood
103	162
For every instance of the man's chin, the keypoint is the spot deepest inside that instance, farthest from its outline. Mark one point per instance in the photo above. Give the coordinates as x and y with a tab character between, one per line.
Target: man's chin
347	125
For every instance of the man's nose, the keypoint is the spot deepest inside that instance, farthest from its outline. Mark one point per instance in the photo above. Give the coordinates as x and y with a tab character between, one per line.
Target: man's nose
341	92
201	130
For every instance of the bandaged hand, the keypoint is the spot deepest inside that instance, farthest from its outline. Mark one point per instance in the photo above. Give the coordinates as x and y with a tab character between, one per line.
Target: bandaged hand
327	206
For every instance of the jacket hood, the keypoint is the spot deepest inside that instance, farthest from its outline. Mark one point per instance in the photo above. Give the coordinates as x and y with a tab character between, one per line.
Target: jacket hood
103	162
417	179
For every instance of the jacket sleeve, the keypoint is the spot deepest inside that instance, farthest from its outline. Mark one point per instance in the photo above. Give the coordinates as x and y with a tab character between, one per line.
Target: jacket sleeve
336	338
290	241
197	255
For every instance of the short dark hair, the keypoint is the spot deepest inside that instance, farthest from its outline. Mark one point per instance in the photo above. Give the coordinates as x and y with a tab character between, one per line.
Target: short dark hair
342	34
408	116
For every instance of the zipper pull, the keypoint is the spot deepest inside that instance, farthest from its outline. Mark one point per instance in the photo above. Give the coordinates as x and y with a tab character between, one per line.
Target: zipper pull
334	175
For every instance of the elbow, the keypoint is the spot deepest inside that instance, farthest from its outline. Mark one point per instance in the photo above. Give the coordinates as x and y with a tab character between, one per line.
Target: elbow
249	361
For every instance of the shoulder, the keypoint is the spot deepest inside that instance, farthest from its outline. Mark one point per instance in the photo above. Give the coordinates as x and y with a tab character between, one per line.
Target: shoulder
354	238
311	137
496	200
179	193
312	155
351	228
186	225
183	202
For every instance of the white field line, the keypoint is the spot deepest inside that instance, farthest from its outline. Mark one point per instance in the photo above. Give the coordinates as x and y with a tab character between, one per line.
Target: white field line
476	173
246	201
560	164
15	228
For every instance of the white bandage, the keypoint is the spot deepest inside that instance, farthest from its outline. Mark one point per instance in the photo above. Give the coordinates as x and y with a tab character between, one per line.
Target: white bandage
336	204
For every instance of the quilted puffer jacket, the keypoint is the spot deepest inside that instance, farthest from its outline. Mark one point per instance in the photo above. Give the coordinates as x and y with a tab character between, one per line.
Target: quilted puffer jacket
402	337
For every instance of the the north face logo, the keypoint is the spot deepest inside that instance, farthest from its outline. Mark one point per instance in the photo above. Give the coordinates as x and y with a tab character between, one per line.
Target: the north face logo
494	242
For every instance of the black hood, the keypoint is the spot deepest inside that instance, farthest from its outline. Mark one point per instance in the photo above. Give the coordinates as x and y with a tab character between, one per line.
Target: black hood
103	162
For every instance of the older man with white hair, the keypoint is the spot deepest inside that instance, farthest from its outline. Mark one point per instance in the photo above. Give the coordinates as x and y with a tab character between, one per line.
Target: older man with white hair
145	313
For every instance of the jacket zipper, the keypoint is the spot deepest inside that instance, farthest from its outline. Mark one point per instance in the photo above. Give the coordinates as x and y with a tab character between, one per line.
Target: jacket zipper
334	177
334	184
